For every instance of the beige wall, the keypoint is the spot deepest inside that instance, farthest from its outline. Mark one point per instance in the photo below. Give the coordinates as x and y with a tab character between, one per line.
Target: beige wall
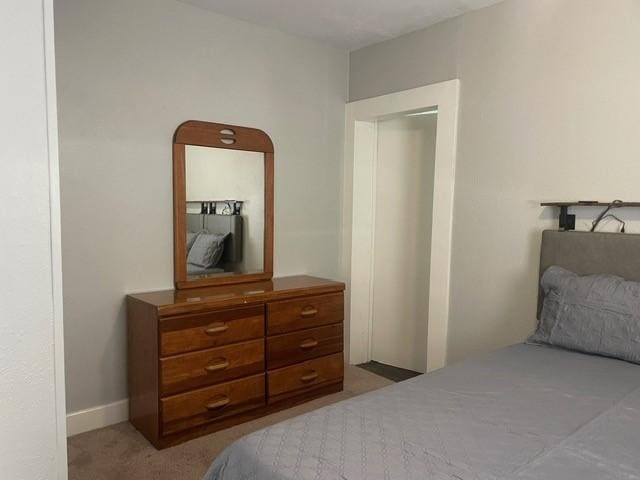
549	110
32	423
129	72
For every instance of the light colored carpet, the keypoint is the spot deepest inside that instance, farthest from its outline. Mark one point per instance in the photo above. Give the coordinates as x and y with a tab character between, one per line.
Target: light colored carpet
119	452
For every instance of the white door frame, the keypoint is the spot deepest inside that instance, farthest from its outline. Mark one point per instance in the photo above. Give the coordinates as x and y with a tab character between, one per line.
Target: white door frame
359	212
56	238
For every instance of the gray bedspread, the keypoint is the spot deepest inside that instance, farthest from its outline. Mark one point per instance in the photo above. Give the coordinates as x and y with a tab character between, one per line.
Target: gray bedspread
524	412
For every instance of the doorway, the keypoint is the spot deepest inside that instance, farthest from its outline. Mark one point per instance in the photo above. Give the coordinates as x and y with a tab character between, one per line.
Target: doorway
402	240
374	241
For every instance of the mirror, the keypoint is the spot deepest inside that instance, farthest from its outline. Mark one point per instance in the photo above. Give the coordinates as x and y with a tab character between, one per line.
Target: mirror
225	211
223	204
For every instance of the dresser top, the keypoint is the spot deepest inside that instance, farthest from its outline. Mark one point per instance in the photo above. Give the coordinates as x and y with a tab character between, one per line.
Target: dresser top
174	302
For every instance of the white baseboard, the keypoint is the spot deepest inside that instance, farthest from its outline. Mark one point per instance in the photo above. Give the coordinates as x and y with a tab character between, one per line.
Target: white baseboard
97	417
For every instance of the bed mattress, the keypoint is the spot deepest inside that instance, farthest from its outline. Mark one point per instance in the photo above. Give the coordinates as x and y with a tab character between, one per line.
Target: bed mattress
525	412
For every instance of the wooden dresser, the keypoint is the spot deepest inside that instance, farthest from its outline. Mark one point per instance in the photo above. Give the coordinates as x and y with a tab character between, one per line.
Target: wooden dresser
204	359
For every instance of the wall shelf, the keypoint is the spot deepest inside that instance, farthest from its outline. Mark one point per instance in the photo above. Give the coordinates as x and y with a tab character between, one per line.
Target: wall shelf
589	204
568	222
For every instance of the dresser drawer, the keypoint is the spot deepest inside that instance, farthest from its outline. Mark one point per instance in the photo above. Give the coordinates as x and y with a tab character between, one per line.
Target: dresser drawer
291	315
214	365
206	404
195	332
289	381
289	348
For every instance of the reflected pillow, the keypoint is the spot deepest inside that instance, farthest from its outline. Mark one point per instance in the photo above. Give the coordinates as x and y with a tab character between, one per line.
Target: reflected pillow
597	314
207	249
191	237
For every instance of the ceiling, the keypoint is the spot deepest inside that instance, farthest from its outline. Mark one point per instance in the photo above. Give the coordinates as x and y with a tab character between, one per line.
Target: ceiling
349	24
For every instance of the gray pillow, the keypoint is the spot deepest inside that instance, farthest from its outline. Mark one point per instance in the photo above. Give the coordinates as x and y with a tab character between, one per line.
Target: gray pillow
597	314
207	249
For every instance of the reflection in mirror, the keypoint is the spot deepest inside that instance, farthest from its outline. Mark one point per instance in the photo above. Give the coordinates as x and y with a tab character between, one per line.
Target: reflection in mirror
225	211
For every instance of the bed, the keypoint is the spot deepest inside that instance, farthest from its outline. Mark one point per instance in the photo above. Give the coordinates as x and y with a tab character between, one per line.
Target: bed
526	412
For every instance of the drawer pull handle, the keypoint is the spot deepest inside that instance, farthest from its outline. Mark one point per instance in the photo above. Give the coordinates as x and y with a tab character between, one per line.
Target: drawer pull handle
309	377
310	343
217	328
309	312
221	364
219	402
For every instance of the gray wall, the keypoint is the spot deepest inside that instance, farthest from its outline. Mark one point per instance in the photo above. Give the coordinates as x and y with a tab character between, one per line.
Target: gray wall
129	71
549	111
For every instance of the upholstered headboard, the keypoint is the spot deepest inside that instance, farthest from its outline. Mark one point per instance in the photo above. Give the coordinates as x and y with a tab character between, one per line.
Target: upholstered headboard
231	224
587	253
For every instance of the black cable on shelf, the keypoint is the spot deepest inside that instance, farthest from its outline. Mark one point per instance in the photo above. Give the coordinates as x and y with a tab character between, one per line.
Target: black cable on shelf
603	215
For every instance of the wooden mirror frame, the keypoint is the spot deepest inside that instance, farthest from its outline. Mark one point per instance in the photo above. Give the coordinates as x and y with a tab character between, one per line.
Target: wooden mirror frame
233	137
